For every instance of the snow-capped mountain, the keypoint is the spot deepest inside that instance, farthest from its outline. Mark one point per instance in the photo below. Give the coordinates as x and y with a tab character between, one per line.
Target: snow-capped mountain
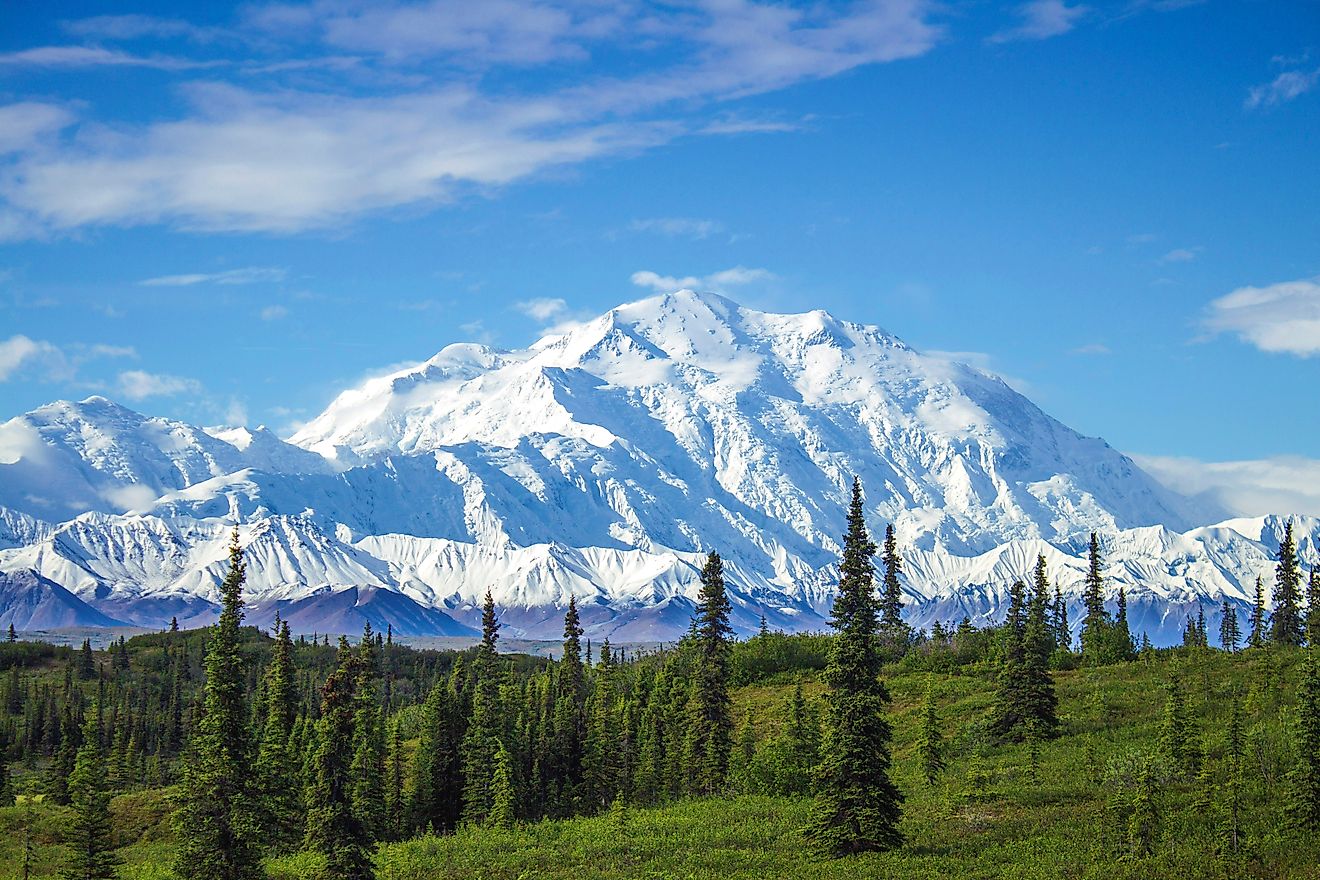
602	463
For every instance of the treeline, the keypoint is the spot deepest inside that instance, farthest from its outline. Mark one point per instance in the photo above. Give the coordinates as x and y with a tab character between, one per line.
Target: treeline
274	745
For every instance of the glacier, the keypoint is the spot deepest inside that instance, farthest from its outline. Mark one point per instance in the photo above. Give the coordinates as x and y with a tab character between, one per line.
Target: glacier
603	463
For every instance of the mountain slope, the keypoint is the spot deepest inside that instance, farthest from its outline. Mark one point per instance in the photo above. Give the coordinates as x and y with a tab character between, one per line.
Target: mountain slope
603	463
29	601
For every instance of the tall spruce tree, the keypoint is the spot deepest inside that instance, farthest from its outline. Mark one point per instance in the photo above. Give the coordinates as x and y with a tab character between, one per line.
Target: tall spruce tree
1041	597
1124	648
1313	609
334	829
1230	635
1176	734
503	794
435	799
857	806
218	819
1257	637
1096	622
368	768
1306	773
1286	621
482	740
88	832
569	720
277	763
1062	630
891	590
710	719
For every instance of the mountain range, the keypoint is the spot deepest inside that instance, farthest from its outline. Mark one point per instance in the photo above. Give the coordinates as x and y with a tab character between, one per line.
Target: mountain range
603	462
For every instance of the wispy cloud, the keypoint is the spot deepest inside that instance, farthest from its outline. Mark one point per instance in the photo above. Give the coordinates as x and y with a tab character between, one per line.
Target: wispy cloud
1283	88
1092	348
1042	19
1181	255
1282	317
42	361
274	313
249	275
134	27
1282	485
139	385
678	227
96	56
242	158
718	282
542	308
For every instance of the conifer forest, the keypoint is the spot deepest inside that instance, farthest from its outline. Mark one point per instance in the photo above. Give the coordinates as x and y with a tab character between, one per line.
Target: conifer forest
238	752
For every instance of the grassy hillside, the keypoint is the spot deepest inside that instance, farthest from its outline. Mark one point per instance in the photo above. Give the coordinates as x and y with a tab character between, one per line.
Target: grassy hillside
984	818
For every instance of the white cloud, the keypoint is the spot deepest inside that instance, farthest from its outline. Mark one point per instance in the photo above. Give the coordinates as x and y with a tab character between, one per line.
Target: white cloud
274	313
249	275
291	159
1282	317
133	27
18	350
94	56
678	227
24	124
1283	88
1284	485
1092	348
718	282
1181	255
1042	19
139	385
982	361
542	308
130	498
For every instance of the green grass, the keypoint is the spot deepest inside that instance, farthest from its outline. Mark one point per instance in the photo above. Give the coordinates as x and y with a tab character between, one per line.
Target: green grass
985	818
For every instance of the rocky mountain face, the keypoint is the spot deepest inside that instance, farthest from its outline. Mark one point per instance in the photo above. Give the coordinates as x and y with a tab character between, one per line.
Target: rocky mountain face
603	463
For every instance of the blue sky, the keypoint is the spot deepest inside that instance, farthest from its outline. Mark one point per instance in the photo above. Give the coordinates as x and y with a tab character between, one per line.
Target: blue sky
230	214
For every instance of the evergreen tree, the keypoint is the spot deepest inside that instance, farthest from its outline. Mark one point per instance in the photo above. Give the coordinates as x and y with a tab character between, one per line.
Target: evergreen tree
13	636
857	806
88	833
334	830
395	795
435	800
482	740
710	722
1233	783
569	719
1040	598
1257	637
1229	633
277	764
217	818
1313	609
891	591
1286	621
930	748
1176	735
86	665
503	794
368	768
1093	597
1062	631
1306	774
1144	821
1123	646
1025	700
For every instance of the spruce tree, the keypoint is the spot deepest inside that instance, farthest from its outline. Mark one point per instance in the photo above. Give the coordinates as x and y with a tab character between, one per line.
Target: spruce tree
1313	609
88	833
891	591
1176	735
368	768
395	794
1144	821
1062	631
1123	645
1041	597
1306	774
857	806
334	830
503	793
1093	597
1040	701
1230	636
435	800
218	819
930	748
569	720
277	764
710	720
1286	621
1233	784
1257	637
482	740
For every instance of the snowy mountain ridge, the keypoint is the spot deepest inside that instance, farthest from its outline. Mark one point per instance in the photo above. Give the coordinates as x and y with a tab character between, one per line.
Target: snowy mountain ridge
603	463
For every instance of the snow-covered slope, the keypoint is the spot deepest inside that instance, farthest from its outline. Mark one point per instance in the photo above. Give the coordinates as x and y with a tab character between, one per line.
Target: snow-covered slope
603	463
29	601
